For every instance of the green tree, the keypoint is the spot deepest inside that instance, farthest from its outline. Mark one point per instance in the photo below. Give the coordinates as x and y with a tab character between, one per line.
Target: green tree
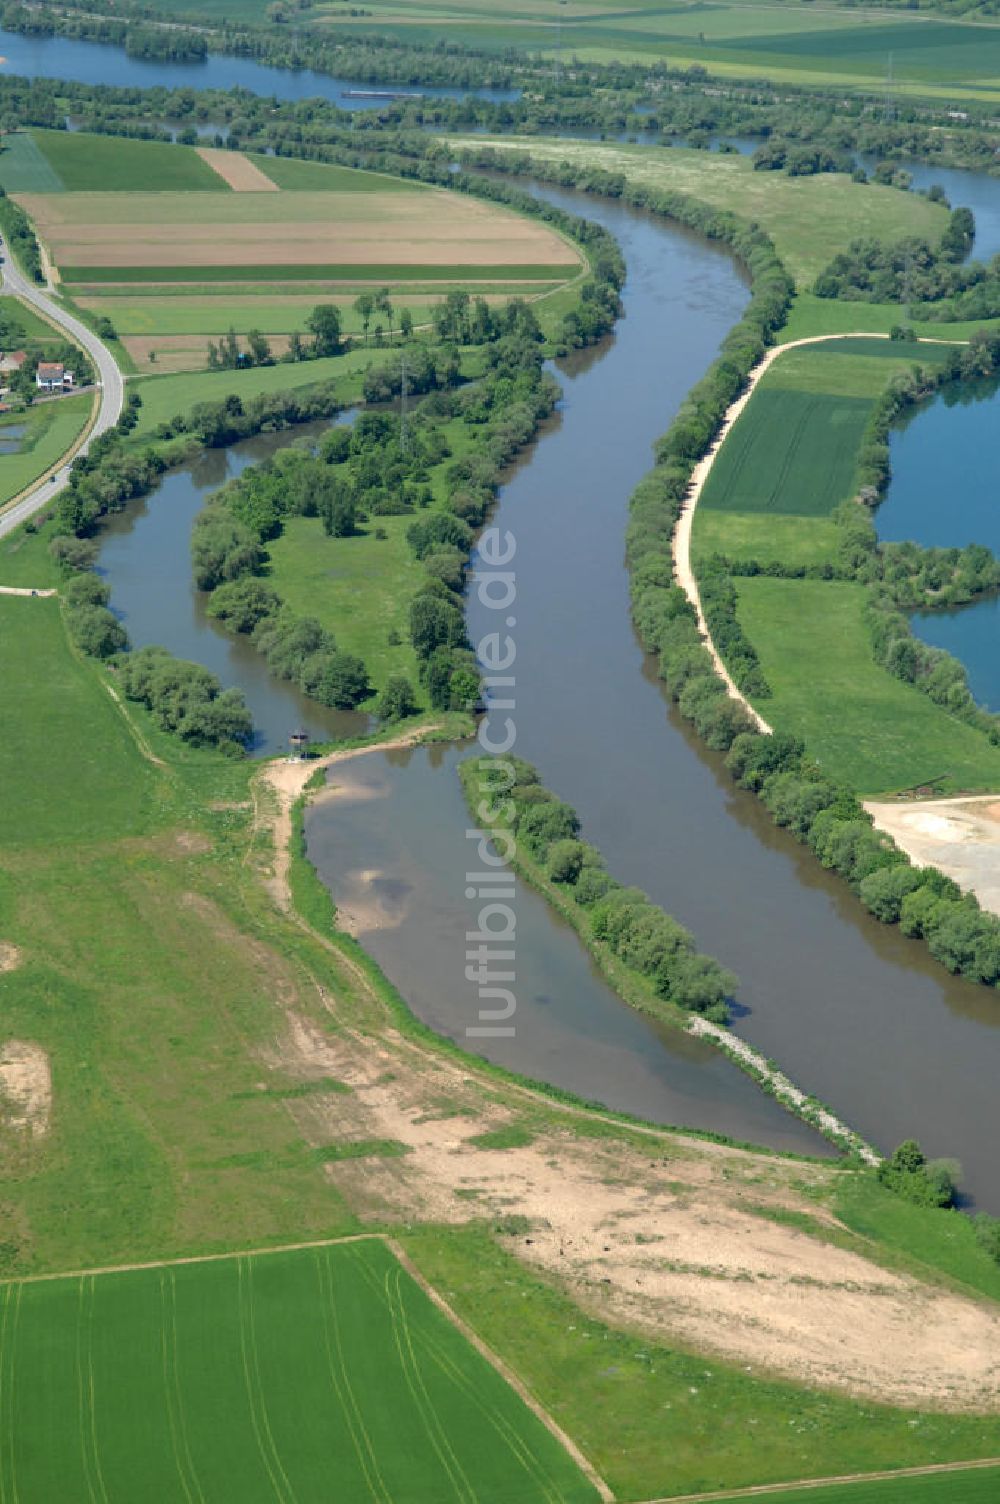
397	699
324	325
364	307
405	323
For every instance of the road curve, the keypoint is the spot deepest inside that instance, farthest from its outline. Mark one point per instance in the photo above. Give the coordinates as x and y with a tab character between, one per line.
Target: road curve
110	385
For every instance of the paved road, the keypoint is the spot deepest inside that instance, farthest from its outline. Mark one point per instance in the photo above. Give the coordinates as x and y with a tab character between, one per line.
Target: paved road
109	384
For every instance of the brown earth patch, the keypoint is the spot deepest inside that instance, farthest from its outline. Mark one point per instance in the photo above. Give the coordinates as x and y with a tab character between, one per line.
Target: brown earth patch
431	228
25	1087
667	1240
10	956
182	352
242	175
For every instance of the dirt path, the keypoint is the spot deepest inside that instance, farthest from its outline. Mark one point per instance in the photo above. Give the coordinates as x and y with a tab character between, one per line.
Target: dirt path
24	590
767	1489
285	780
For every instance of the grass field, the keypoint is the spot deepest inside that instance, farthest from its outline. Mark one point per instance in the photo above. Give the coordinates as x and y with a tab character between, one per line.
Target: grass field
164	397
811	315
51	428
765	536
33	326
865	727
810	219
259	1378
741	38
359	587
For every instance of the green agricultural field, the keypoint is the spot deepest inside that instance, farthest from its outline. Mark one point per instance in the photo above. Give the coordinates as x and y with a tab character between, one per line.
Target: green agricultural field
50	429
76	162
794	449
809	218
742	38
360	588
257	1378
865	727
195	315
296	176
24	167
791	452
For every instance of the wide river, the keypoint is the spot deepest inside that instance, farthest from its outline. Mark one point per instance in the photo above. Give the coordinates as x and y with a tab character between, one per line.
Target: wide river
856	1013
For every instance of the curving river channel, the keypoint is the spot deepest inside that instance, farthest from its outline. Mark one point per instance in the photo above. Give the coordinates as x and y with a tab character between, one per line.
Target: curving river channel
856	1013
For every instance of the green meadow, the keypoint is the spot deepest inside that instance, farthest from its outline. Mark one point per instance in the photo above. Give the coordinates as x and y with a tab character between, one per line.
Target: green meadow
275	1374
864	726
809	218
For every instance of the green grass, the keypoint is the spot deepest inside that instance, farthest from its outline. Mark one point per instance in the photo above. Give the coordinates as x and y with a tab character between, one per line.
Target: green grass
164	397
360	588
65	729
810	219
83	163
309	177
51	428
932	1243
24	167
212	315
350	272
768	537
865	727
657	1421
811	315
259	1378
33	325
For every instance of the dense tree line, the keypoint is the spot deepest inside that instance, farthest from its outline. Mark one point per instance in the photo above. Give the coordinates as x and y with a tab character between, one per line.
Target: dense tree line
186	699
908	1172
911	270
644	938
718	601
20	237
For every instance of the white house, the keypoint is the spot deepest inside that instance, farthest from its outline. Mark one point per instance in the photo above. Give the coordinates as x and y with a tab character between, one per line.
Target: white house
51	376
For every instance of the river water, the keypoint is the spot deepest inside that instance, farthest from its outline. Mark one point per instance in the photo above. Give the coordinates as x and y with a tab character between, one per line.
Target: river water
855	1012
99	63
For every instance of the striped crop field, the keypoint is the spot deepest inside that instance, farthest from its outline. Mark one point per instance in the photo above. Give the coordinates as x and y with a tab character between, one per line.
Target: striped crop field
289	1377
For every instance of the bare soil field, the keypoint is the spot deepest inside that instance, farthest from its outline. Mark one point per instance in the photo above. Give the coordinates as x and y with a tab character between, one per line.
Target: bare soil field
434	228
960	836
242	175
25	1087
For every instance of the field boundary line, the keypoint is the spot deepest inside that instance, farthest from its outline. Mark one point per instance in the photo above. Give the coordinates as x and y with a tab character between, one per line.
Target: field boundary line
763	1490
506	1373
194	1258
